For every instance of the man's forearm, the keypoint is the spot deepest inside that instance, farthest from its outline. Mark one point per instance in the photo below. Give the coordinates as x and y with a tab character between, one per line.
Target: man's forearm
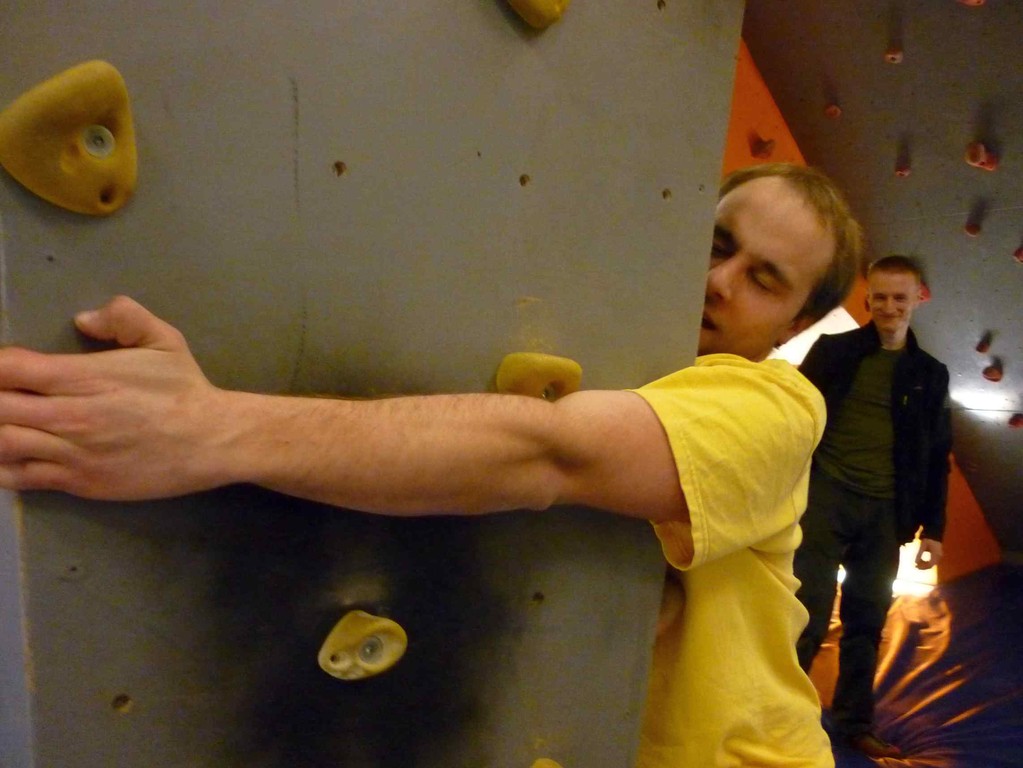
407	455
143	422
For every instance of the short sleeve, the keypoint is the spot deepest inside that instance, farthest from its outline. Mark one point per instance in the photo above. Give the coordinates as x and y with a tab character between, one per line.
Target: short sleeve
742	435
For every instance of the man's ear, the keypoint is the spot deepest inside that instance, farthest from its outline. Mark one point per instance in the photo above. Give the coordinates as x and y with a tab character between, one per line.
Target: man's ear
798	325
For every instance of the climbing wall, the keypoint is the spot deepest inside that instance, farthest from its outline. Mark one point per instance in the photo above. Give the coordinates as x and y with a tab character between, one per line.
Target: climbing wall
359	199
914	108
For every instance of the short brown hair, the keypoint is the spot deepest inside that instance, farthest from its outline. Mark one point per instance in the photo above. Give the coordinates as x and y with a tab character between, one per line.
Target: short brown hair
833	212
897	263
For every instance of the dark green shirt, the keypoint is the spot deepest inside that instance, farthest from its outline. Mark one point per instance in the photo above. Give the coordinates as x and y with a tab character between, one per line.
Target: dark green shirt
857	446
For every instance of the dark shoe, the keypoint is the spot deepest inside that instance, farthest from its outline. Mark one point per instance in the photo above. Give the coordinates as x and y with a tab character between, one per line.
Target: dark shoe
873	746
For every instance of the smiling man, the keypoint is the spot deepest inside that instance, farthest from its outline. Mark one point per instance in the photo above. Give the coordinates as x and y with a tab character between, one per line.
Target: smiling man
716	456
880	475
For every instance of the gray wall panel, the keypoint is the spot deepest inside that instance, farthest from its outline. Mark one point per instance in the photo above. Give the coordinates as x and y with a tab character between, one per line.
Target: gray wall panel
15	670
414	271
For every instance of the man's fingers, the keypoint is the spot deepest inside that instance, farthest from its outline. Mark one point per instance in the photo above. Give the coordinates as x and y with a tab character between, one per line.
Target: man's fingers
125	321
32	460
22	409
34	476
23	369
19	445
121	320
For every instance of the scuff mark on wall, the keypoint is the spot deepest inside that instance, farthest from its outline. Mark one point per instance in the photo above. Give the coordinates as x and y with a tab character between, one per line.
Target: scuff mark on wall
534	327
295	122
5	307
303	331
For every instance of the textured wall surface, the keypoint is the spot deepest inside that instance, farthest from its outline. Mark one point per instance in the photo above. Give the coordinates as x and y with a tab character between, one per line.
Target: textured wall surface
358	199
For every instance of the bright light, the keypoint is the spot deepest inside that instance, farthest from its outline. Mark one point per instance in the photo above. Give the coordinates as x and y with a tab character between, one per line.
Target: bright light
910	580
902	587
795	349
977	399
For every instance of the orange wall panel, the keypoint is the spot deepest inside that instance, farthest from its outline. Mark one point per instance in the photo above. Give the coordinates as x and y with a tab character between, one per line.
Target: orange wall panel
755	116
969	543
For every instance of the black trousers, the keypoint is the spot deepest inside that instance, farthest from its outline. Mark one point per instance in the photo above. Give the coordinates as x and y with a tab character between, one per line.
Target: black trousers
844	527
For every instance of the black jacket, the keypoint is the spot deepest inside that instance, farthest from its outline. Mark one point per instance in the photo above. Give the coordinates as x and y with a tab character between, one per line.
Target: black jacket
920	416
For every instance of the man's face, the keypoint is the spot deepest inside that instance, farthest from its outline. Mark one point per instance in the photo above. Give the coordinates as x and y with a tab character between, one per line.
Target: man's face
892	297
769	253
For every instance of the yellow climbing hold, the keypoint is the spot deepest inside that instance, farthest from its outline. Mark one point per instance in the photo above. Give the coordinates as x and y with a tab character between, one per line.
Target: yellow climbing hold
362	645
539	13
538	375
545	762
71	141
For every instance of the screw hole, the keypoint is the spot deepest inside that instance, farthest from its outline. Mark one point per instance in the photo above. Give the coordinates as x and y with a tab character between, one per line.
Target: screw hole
372	649
524	179
72	572
661	4
340	169
538	597
106	197
98	141
666	193
122	703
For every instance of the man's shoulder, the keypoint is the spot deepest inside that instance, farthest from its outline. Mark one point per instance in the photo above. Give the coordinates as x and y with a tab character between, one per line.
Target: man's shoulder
725	373
771	369
859	334
847	343
930	360
935	371
722	366
926	359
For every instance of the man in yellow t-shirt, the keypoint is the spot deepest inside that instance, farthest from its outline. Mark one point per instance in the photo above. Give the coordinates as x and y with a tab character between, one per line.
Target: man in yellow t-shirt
725	688
716	456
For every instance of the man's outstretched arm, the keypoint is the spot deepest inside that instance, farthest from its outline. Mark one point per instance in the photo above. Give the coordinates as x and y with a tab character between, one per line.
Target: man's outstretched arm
143	422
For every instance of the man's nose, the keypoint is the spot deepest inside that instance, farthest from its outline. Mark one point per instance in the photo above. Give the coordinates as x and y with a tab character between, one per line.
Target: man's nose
721	278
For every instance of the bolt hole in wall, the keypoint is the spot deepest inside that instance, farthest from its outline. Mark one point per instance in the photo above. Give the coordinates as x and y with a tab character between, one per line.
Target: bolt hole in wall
72	572
371	649
121	703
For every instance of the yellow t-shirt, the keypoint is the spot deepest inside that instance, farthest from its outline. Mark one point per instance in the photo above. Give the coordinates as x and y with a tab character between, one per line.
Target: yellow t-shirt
725	687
